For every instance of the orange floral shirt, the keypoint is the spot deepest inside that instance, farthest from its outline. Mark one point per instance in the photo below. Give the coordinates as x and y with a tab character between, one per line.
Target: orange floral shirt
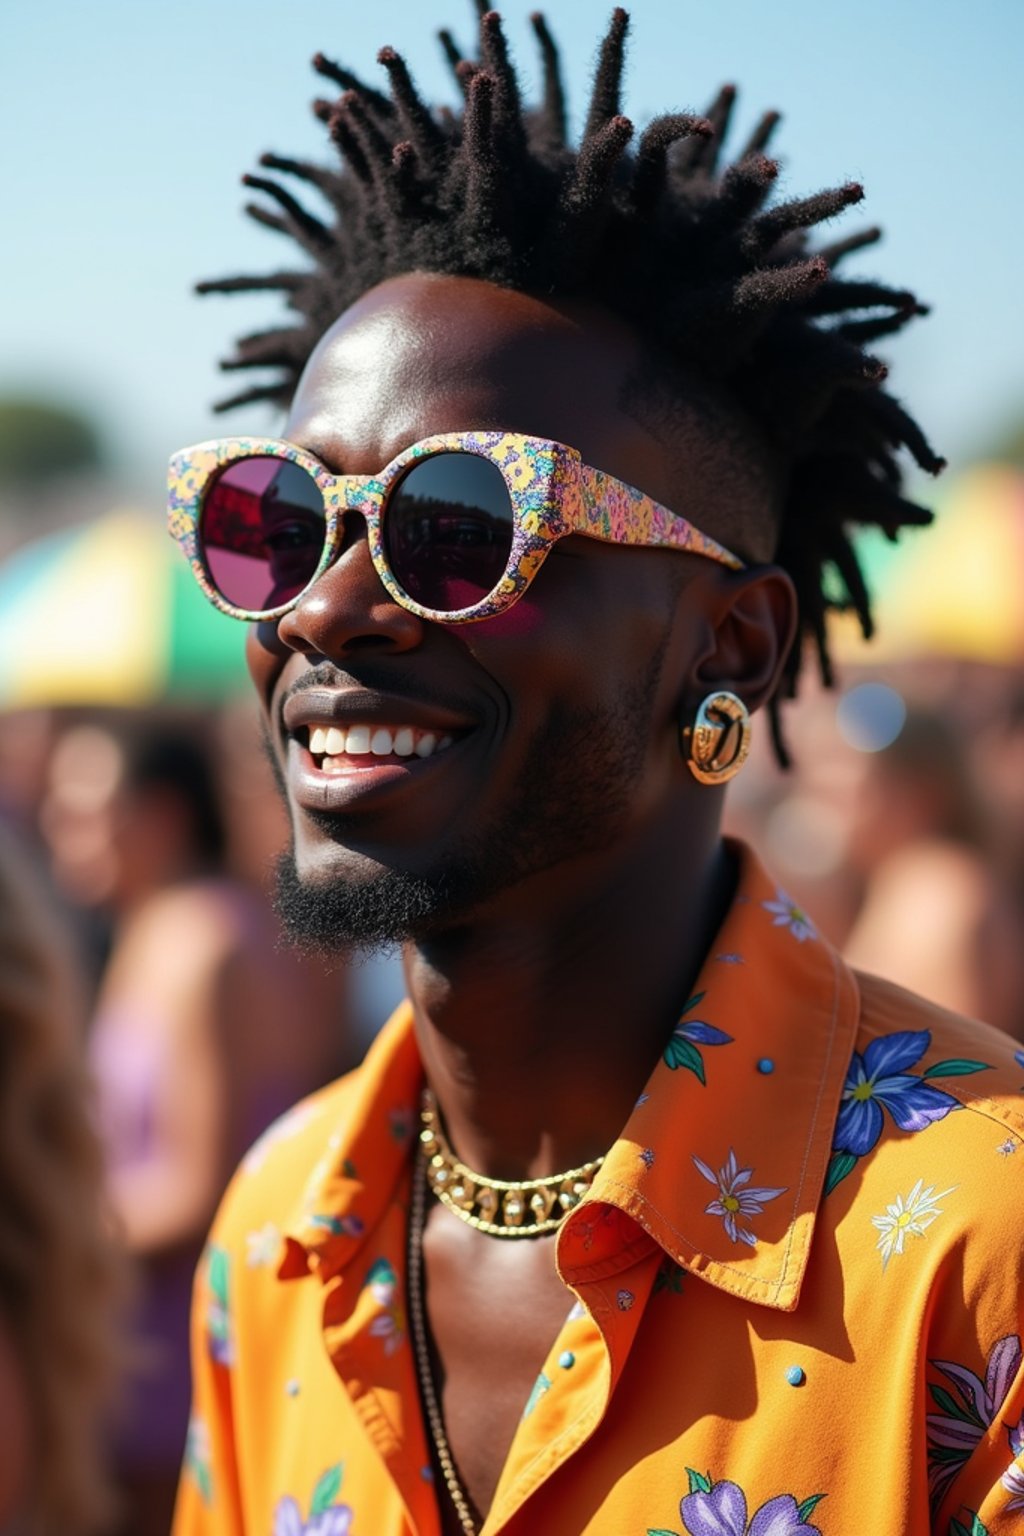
793	1299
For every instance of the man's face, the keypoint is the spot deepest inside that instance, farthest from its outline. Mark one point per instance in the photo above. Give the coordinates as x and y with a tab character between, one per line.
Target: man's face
553	725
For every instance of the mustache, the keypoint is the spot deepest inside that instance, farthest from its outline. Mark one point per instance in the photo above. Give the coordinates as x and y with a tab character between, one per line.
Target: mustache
390	679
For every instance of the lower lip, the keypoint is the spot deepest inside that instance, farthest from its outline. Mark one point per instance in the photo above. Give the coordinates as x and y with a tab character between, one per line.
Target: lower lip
361	778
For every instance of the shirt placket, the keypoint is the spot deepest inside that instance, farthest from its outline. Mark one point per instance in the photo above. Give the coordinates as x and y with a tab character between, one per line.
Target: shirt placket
569	1402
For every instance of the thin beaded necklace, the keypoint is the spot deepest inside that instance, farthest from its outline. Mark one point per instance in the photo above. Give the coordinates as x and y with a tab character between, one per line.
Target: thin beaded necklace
418	1335
494	1206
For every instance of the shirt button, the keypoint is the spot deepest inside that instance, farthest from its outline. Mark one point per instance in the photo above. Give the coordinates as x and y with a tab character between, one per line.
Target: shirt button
766	1066
796	1375
567	1359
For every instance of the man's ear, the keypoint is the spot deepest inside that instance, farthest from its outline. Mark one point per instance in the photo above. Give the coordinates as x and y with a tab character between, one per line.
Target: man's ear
749	622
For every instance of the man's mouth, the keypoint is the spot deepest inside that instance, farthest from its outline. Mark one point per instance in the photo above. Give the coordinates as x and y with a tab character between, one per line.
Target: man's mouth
334	747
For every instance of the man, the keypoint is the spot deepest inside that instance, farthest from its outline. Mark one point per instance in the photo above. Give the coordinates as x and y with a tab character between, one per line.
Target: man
644	1214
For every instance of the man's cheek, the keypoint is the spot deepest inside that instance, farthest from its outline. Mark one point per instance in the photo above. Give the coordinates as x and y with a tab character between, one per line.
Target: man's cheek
516	623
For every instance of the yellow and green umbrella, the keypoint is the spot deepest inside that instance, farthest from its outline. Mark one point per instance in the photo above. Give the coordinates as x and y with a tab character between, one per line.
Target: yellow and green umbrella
954	589
109	614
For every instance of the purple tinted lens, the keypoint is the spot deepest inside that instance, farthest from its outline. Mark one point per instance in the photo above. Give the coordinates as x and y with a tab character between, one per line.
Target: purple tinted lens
448	530
261	531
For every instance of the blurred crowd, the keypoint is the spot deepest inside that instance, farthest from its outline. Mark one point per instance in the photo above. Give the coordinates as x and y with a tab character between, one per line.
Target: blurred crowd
153	1024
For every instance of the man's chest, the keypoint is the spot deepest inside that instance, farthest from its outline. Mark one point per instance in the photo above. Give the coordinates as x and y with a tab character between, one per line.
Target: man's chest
588	1419
494	1311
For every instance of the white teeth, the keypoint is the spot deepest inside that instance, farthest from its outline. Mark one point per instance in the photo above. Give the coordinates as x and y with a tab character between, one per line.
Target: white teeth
333	743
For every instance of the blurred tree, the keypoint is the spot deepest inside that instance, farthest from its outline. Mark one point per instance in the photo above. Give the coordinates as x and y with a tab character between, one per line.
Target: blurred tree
41	440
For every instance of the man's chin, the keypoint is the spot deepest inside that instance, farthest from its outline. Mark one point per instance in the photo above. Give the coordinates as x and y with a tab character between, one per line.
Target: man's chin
335	914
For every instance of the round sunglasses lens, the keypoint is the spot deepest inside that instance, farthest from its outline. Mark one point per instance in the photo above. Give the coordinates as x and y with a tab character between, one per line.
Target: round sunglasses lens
448	530
261	531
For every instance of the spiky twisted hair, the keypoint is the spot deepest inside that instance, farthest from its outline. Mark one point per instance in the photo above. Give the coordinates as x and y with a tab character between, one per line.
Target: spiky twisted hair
689	251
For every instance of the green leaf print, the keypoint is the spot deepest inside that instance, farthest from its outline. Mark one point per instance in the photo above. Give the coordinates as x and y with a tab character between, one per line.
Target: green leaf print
219	1266
381	1272
197	1458
660	1532
326	1490
682	1053
540	1386
204	1482
949	1405
840	1164
956	1066
804	1510
698	1482
976	1527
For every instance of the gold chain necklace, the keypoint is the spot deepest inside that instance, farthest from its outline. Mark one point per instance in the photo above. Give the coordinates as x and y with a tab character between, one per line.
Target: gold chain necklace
418	1334
497	1206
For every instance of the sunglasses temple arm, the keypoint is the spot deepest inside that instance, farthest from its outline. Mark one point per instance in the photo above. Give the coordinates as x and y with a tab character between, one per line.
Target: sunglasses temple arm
610	509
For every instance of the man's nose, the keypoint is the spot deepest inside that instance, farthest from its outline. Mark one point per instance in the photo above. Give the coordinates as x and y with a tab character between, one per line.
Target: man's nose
349	609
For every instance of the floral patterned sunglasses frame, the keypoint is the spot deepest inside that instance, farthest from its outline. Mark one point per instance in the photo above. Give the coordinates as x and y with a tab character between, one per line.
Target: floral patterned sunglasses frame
551	491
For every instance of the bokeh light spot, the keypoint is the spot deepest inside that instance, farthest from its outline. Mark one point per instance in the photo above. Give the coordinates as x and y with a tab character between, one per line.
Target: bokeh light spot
871	716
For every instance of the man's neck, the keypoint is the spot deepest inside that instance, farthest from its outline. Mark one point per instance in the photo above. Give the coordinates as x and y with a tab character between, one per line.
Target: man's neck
540	1020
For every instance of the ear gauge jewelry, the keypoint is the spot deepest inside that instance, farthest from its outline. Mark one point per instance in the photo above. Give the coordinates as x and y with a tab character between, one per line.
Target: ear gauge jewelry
716	745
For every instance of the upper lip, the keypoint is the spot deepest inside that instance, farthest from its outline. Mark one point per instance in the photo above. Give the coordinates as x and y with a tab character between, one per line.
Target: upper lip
356	706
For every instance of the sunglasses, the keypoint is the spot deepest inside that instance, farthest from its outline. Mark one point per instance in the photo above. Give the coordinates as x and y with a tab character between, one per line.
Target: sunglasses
457	526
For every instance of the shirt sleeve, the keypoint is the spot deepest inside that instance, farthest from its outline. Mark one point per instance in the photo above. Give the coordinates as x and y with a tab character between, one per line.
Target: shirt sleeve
209	1502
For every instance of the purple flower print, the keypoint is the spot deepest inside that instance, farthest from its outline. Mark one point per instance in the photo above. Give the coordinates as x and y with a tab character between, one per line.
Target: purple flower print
326	1518
721	1510
964	1418
335	1521
1013	1481
735	1197
389	1324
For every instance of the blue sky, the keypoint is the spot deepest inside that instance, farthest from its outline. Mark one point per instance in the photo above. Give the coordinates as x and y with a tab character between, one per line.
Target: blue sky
126	126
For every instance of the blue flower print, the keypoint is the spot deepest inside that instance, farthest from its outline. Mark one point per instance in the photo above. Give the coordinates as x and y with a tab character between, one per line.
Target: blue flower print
682	1051
878	1080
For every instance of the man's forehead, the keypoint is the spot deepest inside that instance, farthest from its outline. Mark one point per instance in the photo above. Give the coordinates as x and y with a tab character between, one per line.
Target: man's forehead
423	354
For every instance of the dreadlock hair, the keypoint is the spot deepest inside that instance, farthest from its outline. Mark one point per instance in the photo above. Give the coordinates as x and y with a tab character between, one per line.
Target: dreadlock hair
690	251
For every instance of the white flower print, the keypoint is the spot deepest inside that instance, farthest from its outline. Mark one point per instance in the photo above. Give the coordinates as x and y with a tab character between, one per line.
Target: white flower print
262	1246
736	1197
788	914
914	1215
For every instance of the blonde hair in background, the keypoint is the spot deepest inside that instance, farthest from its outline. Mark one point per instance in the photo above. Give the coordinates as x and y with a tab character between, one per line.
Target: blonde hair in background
59	1267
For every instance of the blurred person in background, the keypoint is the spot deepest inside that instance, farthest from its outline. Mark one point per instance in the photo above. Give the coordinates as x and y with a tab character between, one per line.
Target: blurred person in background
936	914
204	1031
59	1270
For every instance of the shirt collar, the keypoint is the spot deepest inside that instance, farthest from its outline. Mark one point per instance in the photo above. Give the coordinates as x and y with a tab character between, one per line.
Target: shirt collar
723	1159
